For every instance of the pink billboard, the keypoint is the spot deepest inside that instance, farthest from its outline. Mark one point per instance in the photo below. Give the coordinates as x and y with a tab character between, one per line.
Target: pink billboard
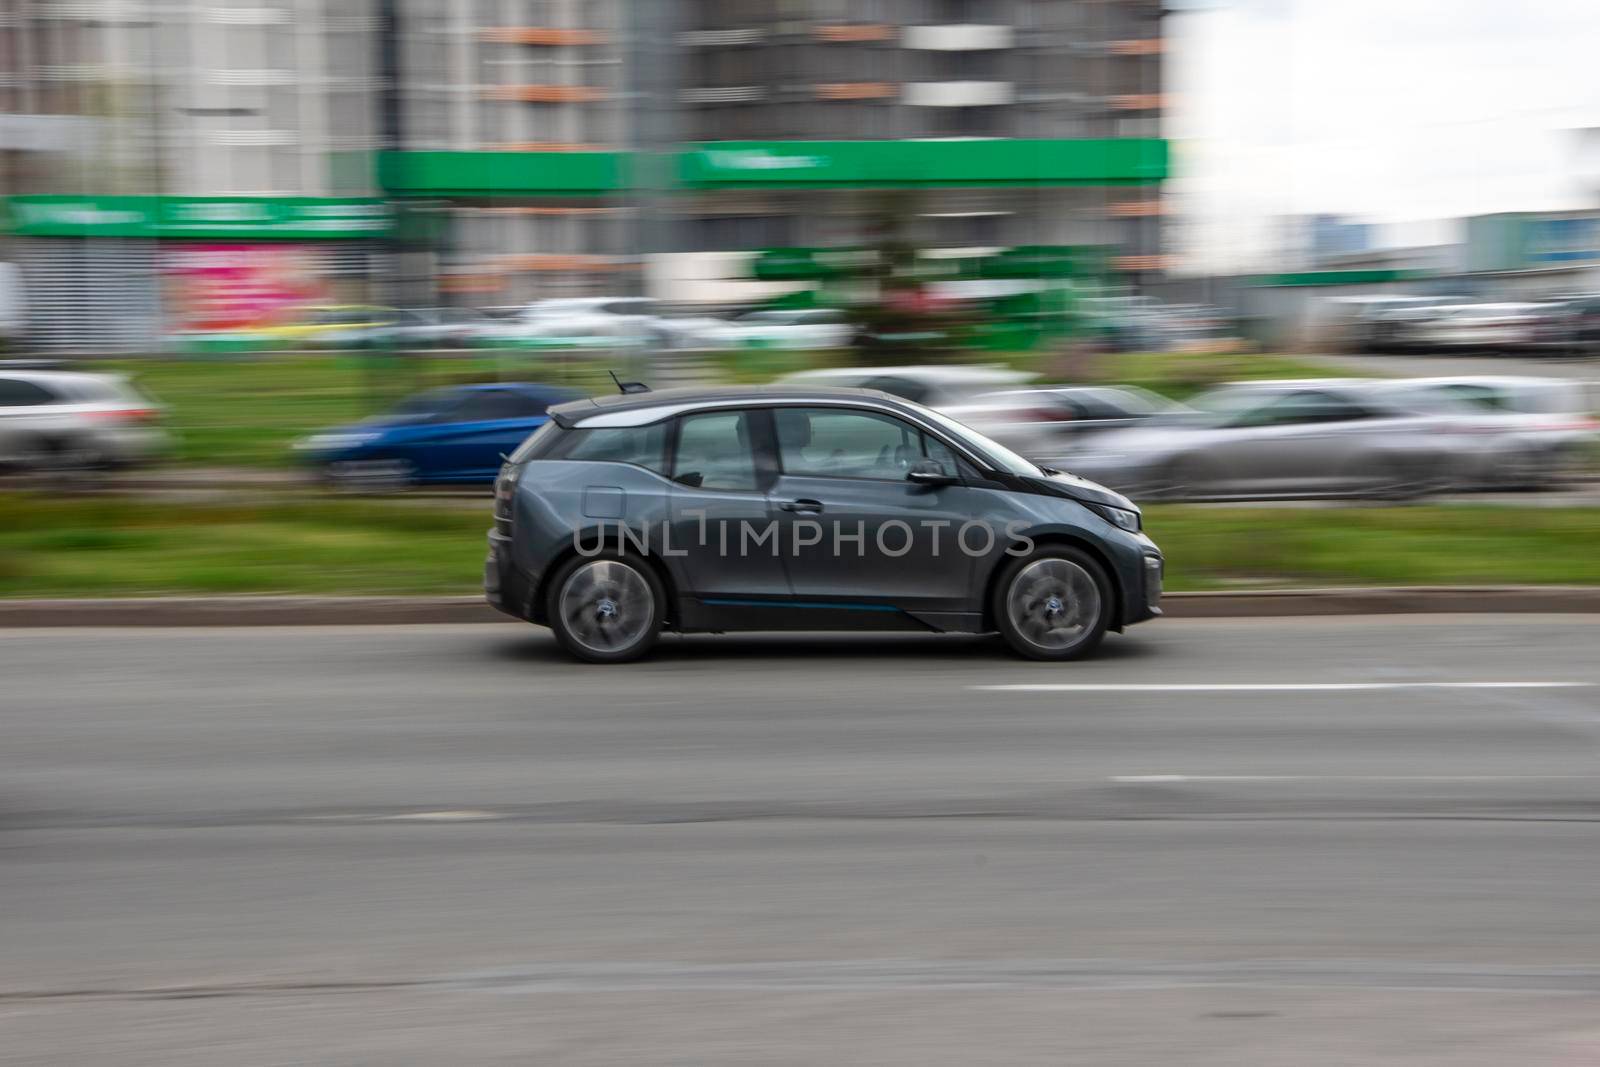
239	286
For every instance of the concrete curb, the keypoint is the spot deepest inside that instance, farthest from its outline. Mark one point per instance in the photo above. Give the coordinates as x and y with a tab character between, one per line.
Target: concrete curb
392	610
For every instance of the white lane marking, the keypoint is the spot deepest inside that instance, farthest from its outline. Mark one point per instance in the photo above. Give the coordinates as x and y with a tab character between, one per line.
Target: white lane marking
466	815
1148	778
459	815
1259	687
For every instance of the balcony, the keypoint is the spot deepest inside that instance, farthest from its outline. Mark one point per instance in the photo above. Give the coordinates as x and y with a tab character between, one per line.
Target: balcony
722	38
546	94
541	35
853	32
965	37
723	94
959	94
1141	263
1135	209
543	146
856	90
1137	102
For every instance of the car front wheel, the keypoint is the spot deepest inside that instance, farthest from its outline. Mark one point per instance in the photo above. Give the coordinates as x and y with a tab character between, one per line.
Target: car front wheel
1054	604
606	609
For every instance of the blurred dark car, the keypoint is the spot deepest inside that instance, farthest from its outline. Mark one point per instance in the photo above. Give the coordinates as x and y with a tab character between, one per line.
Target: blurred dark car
455	434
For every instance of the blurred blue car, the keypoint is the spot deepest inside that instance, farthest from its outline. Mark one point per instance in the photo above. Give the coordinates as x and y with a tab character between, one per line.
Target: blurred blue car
456	434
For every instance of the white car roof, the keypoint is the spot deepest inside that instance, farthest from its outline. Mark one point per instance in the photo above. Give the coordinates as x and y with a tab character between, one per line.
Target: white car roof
60	377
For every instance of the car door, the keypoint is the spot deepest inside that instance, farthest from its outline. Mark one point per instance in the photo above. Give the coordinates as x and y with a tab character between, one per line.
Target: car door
723	544
1305	441
486	425
28	417
854	529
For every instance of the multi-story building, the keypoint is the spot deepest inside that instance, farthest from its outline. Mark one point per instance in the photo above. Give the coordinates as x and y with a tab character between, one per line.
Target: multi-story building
1009	122
162	156
157	154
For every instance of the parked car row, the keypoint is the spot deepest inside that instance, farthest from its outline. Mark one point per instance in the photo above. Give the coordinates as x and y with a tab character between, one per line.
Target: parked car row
1567	325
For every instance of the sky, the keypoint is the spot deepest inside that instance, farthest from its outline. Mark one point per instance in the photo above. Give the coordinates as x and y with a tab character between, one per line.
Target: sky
1406	113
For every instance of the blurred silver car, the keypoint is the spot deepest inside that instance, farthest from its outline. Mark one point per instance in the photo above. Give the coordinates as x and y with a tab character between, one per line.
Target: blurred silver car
1519	432
56	420
1279	439
1051	421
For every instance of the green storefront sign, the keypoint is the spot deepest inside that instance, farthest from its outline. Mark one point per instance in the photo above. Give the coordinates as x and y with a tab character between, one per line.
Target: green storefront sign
812	164
219	218
785	164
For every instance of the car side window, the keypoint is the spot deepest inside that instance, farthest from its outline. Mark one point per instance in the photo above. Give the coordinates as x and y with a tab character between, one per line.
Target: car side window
15	393
838	443
940	453
492	404
715	451
642	446
1303	408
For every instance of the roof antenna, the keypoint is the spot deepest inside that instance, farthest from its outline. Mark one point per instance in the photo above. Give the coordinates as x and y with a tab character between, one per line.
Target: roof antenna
628	387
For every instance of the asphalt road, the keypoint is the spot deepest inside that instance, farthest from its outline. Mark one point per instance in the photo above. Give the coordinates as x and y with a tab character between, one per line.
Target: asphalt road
1260	841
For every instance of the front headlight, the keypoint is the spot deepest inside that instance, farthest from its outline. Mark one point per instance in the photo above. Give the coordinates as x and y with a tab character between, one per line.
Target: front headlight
1121	518
333	442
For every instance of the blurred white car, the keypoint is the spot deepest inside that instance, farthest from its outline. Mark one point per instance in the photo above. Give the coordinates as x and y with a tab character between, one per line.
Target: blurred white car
1474	327
55	420
1523	432
801	328
435	327
598	321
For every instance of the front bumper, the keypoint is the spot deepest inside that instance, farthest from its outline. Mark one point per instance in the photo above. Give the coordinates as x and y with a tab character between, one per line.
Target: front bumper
1154	574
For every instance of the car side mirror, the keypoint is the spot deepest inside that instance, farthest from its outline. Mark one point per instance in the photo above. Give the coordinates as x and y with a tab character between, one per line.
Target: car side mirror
693	479
929	473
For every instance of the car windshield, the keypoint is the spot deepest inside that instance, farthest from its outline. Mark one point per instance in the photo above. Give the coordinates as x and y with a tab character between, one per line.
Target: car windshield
1216	408
423	404
997	453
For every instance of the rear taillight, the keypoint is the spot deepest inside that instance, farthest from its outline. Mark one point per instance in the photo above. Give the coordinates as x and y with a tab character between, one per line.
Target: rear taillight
140	415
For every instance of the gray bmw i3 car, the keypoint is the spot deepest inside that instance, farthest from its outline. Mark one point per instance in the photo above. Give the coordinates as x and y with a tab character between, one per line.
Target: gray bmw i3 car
804	508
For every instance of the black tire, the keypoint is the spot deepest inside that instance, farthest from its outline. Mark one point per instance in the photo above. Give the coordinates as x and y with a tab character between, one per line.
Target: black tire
387	475
1406	478
1028	620
1184	478
619	584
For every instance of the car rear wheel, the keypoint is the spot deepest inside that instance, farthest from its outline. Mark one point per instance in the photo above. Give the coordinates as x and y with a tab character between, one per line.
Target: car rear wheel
1053	605
1404	478
606	609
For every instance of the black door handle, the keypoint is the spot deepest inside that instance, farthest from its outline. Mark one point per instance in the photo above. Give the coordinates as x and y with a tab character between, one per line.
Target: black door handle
801	505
